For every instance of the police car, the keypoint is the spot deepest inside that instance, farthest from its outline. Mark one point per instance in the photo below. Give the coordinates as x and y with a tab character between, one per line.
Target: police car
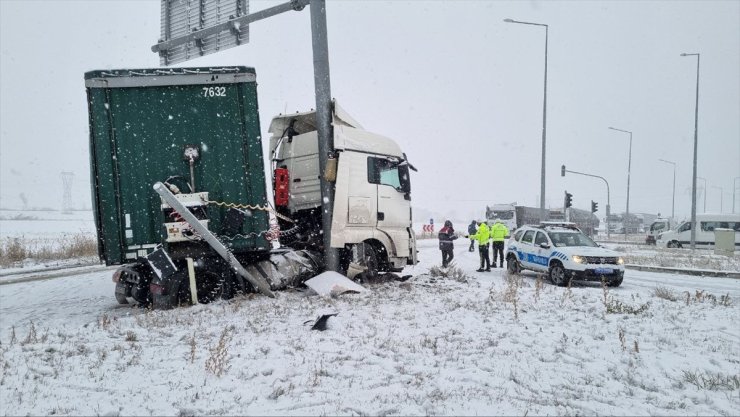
563	252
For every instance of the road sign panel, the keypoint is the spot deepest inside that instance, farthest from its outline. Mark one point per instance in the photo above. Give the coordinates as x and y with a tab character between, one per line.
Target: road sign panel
182	17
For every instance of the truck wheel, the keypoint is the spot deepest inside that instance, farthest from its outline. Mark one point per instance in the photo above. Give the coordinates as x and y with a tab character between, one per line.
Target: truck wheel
211	288
512	265
673	244
364	258
121	291
557	274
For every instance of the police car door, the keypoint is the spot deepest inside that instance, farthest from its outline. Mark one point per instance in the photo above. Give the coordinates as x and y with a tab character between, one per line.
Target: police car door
526	249
542	247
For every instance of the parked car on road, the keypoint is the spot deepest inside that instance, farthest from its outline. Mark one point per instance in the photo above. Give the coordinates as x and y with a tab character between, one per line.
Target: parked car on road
563	252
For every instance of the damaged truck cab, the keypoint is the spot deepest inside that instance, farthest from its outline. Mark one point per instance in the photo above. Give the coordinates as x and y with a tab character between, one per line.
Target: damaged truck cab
371	217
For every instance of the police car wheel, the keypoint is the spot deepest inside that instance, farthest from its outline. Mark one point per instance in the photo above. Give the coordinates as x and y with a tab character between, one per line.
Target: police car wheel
616	282
512	265
557	274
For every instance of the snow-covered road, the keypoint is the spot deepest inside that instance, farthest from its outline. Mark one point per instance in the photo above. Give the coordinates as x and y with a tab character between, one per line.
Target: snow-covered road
485	344
79	300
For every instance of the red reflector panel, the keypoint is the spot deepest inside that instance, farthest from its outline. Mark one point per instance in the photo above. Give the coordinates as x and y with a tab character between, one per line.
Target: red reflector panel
156	289
282	179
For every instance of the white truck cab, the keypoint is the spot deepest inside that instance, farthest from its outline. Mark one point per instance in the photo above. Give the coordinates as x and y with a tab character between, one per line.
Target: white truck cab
657	227
372	200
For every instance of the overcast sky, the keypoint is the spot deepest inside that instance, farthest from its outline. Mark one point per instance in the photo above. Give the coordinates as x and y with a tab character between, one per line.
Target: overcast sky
458	88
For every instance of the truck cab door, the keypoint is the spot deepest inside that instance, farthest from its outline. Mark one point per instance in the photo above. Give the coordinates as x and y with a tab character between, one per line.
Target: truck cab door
394	201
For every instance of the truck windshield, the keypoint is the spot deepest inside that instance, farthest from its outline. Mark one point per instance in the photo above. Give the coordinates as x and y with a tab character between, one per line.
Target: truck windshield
657	226
560	239
503	215
386	172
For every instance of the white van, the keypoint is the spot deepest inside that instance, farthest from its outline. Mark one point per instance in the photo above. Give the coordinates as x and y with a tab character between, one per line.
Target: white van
681	236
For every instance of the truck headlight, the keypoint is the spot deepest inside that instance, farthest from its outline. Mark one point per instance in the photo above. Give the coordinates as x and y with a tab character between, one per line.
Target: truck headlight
620	261
579	259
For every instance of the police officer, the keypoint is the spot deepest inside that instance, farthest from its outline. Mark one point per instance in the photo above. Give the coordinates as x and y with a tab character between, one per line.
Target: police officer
498	234
482	236
472	228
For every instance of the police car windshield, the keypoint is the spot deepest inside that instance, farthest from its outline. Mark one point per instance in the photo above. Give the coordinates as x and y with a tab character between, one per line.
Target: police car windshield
560	239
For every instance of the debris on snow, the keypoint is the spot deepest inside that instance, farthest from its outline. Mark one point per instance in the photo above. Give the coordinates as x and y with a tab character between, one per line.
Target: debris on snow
332	283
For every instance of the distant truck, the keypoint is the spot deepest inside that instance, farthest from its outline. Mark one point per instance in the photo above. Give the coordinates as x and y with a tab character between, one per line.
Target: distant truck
586	221
512	215
515	216
657	227
179	188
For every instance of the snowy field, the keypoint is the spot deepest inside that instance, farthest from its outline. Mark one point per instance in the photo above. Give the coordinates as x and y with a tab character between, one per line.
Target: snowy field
480	344
46	232
44	225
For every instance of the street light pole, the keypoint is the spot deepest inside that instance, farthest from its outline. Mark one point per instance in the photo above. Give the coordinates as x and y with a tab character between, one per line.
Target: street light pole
705	192
696	145
629	169
734	188
721	197
543	215
673	205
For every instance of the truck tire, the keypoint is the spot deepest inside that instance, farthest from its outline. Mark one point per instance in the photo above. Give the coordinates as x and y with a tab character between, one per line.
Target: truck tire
211	287
121	291
557	274
364	256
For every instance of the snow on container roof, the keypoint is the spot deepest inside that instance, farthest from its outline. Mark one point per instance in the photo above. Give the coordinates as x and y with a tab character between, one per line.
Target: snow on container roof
150	77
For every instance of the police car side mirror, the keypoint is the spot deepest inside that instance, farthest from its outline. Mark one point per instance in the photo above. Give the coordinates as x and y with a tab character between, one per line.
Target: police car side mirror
544	246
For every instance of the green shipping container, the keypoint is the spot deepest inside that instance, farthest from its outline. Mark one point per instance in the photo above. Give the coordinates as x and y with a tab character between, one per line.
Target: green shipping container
140	123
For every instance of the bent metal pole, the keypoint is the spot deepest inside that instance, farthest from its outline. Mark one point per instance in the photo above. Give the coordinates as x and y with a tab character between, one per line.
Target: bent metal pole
189	217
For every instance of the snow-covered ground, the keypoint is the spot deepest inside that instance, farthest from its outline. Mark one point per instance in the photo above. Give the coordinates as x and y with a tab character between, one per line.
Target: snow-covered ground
45	224
481	344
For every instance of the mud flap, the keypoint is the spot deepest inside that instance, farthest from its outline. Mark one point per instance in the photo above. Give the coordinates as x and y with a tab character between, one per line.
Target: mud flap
414	254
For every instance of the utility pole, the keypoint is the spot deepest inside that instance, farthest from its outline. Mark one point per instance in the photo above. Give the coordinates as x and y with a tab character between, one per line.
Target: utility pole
696	145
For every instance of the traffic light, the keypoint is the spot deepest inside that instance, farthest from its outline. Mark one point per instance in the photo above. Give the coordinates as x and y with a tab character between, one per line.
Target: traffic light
562	170
568	199
594	206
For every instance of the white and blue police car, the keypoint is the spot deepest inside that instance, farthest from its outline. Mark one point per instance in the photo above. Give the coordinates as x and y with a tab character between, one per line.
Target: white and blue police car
563	252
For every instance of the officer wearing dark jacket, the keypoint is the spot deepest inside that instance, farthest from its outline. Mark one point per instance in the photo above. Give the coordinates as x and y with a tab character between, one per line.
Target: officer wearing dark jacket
446	236
472	228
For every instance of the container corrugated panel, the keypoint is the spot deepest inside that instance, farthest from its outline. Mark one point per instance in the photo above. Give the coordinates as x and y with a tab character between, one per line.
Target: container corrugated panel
141	121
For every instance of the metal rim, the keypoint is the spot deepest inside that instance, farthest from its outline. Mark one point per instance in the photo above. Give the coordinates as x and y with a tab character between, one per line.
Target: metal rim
557	274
